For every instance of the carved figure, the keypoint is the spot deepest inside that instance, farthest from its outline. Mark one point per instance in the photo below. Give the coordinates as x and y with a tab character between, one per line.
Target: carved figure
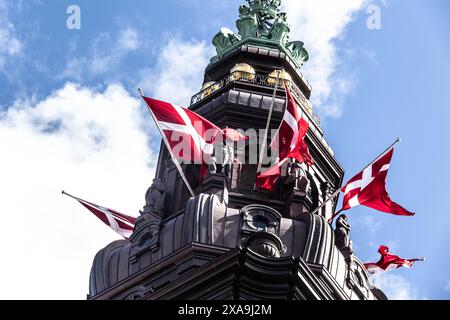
155	198
296	178
223	162
342	233
212	165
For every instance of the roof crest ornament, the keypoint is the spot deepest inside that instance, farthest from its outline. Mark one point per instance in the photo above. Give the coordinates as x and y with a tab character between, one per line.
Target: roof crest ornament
260	22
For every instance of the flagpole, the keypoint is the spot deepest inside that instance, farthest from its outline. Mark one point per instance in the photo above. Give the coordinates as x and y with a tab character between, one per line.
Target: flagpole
266	133
166	142
339	190
384	153
69	195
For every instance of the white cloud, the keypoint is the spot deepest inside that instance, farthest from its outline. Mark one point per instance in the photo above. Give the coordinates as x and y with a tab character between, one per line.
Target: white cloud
129	39
396	287
179	71
87	142
319	23
369	223
10	45
105	56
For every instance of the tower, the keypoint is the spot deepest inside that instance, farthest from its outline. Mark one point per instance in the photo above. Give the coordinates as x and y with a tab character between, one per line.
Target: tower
230	241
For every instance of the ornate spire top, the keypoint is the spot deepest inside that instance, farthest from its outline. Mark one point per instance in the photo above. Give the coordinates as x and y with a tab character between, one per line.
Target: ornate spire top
266	13
260	22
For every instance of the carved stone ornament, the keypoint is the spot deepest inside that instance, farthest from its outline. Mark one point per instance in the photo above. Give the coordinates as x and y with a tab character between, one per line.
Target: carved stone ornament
357	278
296	177
155	199
222	162
224	40
259	218
266	244
146	236
342	238
261	20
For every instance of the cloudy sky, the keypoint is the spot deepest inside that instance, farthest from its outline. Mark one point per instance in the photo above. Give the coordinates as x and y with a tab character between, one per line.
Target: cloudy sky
70	118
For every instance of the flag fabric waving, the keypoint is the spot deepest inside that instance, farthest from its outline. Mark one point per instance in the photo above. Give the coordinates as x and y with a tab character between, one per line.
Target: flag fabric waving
368	188
119	222
268	179
233	135
181	125
289	143
389	262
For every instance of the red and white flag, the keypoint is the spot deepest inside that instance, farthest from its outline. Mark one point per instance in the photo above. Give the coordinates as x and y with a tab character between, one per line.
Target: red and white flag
119	222
368	188
232	135
389	262
189	135
289	143
269	178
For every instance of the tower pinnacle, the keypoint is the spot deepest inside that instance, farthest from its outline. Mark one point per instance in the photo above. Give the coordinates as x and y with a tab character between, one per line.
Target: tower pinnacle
262	23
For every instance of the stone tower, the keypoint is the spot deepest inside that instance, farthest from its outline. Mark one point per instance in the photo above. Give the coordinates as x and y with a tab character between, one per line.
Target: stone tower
230	241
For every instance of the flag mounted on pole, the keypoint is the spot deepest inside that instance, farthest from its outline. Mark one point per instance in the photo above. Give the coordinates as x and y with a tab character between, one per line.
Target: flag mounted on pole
187	136
268	179
389	262
181	125
119	222
368	188
288	143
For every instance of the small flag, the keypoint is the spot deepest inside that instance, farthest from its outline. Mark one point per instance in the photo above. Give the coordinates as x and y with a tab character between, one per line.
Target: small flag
268	179
182	125
368	188
389	262
289	143
119	222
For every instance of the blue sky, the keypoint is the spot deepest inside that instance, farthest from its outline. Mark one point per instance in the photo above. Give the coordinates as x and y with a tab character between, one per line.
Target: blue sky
69	109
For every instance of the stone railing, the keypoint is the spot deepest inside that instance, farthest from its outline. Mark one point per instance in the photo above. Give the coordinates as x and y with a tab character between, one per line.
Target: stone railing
254	79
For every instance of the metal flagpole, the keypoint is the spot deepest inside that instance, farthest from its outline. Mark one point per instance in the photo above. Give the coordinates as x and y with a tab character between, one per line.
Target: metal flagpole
166	142
339	190
269	119
69	195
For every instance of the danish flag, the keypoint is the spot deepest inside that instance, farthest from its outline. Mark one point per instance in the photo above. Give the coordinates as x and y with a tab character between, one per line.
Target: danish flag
190	136
268	179
232	135
389	262
368	188
289	143
119	222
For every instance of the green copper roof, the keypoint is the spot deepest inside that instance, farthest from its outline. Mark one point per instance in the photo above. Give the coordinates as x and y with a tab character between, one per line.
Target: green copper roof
262	23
